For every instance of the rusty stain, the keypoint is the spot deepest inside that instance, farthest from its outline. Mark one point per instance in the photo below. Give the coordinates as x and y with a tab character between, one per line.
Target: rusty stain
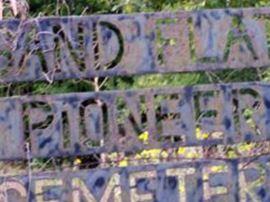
54	48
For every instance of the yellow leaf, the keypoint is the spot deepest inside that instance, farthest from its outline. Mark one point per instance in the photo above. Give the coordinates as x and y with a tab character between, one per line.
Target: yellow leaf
245	147
191	155
181	150
123	163
201	135
172	42
232	154
77	161
217	169
144	137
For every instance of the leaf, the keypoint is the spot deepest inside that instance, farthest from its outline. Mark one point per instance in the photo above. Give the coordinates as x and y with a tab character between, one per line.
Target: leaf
144	137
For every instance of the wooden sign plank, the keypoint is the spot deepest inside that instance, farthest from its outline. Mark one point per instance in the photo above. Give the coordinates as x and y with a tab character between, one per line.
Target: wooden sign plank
111	121
199	180
54	48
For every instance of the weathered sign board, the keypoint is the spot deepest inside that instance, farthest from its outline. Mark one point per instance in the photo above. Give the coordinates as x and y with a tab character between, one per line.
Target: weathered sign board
54	48
77	124
199	180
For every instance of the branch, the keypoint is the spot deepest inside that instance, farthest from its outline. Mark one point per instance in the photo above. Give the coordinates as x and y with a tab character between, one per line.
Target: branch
1	9
13	5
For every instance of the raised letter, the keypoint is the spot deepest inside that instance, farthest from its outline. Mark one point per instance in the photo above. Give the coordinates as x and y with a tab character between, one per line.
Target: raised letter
181	174
80	190
221	185
239	48
40	184
175	116
172	42
251	176
11	185
135	197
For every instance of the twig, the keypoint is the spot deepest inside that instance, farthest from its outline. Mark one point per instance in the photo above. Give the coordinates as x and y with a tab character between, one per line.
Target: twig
1	9
13	5
103	82
28	152
84	11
